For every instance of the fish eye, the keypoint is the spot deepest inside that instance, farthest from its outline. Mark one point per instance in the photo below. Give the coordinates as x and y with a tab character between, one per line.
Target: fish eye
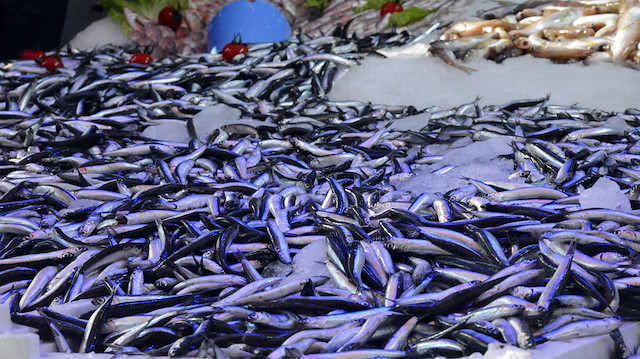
98	301
66	255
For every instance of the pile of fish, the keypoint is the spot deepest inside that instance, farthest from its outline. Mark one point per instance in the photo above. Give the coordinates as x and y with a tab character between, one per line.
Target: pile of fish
593	31
369	21
114	242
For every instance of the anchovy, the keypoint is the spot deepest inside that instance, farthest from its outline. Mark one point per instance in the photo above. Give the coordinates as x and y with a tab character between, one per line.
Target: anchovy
583	328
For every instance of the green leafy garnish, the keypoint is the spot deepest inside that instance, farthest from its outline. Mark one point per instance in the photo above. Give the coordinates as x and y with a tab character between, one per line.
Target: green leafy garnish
119	17
146	8
320	4
372	4
408	16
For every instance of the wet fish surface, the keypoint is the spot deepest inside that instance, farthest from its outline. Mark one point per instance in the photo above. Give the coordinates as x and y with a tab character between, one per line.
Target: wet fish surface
114	242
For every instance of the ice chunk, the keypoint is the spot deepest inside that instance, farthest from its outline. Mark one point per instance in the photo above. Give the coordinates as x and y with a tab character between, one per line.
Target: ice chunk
501	351
478	160
481	151
618	123
214	117
605	193
436	149
309	262
204	123
172	131
440	178
277	269
461	142
101	32
411	123
5	316
428	81
22	345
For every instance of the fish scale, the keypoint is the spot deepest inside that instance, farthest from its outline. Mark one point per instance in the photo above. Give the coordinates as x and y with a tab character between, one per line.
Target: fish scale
209	250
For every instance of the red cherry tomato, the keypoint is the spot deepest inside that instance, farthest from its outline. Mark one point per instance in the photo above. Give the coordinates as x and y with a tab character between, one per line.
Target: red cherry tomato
170	17
141	58
230	50
31	55
390	8
51	63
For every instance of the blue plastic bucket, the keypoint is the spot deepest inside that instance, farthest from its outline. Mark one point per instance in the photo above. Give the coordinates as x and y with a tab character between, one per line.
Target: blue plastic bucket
254	21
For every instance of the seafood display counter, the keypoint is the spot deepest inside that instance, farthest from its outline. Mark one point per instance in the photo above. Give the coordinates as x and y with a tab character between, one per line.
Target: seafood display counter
212	206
